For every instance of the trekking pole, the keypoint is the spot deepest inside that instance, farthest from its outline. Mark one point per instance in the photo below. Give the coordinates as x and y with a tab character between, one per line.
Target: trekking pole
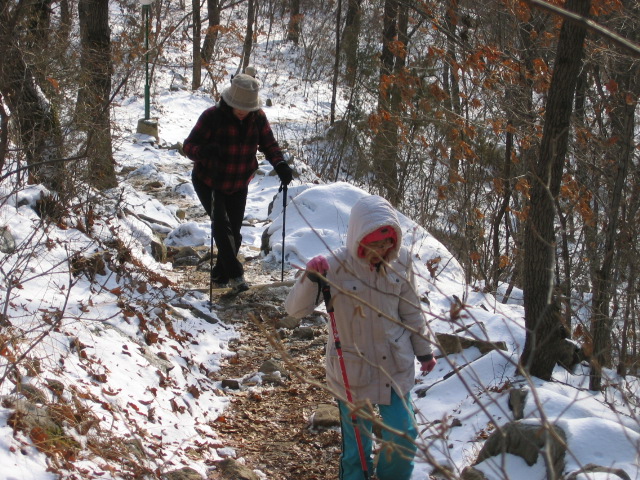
283	189
326	293
211	255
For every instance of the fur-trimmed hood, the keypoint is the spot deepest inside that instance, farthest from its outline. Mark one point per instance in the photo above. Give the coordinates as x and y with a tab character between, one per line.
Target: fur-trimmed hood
367	215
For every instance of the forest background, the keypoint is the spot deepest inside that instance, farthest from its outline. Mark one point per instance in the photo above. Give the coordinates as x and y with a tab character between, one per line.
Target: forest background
505	128
500	126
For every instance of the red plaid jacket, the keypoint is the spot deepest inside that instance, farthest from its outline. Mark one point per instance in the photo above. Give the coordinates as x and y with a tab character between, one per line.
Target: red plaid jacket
232	168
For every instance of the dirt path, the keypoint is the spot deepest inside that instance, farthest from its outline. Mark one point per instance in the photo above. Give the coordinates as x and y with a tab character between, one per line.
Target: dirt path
268	423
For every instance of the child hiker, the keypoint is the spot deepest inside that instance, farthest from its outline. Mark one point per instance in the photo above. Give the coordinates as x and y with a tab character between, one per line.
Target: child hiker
223	146
381	329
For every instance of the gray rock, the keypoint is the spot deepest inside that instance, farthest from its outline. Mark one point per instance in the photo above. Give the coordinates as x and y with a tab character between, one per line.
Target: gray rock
160	363
185	473
7	242
288	322
233	470
91	265
449	343
184	257
570	354
272	366
470	473
304	333
231	384
158	250
517	401
153	185
266	237
526	440
315	321
207	317
592	468
326	416
32	415
272	379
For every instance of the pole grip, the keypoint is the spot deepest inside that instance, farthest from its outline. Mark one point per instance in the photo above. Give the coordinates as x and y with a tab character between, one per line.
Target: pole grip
326	295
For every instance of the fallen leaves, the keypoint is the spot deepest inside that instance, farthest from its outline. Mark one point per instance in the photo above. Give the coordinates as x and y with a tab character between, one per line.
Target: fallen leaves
268	425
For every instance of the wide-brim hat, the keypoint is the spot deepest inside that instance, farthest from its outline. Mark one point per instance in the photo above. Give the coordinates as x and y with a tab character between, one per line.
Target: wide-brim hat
243	93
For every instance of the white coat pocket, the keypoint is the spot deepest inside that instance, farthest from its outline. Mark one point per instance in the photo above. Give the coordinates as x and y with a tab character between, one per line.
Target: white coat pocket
395	283
358	369
402	351
353	287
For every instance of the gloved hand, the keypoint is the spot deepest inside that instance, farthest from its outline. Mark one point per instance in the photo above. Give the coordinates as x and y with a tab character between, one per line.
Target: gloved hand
210	151
317	265
284	172
427	366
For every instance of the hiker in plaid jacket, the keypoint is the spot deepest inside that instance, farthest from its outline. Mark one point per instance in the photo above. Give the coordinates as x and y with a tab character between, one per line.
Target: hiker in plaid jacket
223	145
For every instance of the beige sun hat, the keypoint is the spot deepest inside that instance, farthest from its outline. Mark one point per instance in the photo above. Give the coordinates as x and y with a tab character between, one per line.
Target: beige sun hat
243	93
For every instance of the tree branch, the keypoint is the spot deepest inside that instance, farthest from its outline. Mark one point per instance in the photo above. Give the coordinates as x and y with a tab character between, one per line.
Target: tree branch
627	45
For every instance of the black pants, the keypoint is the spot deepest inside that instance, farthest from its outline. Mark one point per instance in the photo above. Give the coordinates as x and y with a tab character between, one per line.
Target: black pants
228	213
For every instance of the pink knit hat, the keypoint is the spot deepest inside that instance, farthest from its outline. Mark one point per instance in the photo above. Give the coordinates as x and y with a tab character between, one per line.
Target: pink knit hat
381	233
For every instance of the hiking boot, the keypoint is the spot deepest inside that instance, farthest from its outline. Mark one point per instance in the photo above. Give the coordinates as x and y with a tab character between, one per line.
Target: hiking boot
220	279
238	285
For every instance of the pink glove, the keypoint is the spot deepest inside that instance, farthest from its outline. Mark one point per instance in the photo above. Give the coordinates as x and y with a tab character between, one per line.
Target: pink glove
318	264
426	367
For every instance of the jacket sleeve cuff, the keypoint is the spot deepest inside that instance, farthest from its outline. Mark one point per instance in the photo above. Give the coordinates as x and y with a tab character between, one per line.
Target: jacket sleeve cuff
425	358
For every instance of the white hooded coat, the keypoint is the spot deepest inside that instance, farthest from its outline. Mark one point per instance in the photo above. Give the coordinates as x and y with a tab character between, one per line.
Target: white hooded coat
378	315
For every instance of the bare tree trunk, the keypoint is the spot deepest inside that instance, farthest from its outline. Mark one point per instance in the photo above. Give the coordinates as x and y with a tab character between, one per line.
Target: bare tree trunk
626	326
502	210
588	176
623	123
350	40
66	19
385	142
248	38
35	118
628	362
213	11
295	20
94	96
564	277
518	107
4	134
542	319
451	19
336	65
196	79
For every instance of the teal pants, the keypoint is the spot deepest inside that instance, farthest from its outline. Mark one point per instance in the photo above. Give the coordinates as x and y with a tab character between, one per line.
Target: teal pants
396	457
